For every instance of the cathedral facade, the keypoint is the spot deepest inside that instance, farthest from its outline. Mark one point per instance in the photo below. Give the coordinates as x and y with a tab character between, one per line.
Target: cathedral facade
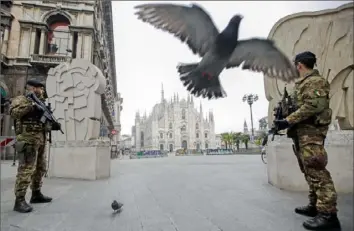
173	125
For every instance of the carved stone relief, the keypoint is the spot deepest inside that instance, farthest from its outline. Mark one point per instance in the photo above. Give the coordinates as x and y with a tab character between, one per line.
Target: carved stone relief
74	91
328	34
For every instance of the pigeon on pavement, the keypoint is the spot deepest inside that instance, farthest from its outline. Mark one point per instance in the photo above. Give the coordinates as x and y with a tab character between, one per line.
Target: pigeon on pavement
116	206
192	25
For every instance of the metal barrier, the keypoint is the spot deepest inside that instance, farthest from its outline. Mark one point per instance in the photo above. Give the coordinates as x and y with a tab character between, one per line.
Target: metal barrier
7	147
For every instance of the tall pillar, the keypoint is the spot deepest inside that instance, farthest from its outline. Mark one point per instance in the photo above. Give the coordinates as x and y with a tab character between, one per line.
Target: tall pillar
79	46
42	43
5	40
70	45
33	41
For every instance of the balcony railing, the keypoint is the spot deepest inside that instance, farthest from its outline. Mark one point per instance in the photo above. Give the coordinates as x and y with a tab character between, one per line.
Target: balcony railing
49	59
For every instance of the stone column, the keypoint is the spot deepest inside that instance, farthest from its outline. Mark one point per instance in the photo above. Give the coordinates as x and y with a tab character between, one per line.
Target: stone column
5	40
42	42
70	45
79	46
33	41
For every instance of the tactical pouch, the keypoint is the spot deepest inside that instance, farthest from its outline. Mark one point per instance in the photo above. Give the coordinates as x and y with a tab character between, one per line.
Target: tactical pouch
20	149
324	118
26	153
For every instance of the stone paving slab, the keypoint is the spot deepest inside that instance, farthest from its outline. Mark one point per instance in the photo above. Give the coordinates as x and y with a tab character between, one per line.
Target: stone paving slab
204	193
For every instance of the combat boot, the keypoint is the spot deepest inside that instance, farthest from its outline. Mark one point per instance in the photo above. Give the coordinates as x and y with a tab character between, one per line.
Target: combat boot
21	205
323	221
308	210
38	197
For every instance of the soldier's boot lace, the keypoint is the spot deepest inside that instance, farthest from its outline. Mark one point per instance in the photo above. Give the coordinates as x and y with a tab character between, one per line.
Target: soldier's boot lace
308	210
323	221
38	197
22	206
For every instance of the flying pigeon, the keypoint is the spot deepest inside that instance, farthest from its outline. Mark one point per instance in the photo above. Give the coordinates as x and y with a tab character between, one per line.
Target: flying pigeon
116	206
192	25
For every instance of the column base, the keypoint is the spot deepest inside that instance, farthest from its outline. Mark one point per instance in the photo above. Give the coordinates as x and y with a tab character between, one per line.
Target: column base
284	172
86	160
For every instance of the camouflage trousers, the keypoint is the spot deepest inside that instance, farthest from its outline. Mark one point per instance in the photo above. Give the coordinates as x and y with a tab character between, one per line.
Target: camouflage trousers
322	192
31	167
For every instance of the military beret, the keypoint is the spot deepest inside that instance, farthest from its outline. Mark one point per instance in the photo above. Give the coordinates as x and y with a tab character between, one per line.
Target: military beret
35	83
307	55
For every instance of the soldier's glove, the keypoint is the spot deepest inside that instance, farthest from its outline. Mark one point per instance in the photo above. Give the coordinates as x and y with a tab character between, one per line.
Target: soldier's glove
282	124
56	126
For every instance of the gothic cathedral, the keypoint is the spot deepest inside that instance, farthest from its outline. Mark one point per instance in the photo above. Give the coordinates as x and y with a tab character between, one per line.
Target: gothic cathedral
174	125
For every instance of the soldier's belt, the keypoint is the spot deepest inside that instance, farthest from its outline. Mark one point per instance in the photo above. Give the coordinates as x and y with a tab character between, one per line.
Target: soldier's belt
32	126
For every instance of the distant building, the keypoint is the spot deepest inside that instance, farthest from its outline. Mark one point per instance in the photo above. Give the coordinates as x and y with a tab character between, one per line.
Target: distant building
126	142
173	125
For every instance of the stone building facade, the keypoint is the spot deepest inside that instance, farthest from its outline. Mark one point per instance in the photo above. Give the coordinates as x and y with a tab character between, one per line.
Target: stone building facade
174	124
42	34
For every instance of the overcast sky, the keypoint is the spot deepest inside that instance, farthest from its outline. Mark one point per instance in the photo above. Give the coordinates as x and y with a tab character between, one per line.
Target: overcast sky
146	57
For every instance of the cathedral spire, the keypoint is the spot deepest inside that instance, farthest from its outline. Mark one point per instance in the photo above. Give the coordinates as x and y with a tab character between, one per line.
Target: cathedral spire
162	93
245	127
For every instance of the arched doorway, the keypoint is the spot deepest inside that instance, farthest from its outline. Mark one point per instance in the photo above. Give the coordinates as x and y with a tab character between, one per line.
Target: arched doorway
161	147
198	146
206	146
184	144
171	147
58	39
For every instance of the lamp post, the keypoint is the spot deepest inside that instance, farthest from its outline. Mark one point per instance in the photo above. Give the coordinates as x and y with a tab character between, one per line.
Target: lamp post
250	99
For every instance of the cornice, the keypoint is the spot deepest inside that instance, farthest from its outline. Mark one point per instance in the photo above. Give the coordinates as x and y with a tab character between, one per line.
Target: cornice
81	29
33	23
48	7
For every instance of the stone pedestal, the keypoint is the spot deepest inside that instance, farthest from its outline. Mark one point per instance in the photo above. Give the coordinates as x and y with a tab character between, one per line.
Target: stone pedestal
87	160
284	172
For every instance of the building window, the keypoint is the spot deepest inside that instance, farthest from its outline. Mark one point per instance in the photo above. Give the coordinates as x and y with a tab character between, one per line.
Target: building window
170	135
183	128
183	114
161	135
206	135
58	36
196	126
197	135
206	146
170	126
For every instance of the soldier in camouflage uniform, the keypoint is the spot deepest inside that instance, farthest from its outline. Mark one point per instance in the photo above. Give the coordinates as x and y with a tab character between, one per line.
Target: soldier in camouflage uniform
308	127
30	147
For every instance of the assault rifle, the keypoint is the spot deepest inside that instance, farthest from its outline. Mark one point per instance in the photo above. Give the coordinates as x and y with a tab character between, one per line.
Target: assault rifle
47	114
46	117
285	107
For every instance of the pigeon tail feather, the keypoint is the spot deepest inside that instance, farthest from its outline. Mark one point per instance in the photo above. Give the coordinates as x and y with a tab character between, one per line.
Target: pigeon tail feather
200	83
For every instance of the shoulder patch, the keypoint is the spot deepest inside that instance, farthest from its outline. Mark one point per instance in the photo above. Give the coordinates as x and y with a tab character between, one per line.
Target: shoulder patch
319	93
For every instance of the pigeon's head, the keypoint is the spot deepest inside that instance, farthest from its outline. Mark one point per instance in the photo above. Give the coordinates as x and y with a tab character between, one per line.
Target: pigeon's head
235	20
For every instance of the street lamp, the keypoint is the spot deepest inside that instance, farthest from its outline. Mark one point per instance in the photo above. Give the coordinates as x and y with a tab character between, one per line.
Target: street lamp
250	99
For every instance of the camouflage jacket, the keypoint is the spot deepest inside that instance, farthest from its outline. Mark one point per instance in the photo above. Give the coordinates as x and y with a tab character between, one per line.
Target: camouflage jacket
313	115
29	133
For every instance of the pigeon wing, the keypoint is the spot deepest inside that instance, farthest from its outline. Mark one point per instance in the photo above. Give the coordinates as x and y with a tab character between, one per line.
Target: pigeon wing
261	55
191	24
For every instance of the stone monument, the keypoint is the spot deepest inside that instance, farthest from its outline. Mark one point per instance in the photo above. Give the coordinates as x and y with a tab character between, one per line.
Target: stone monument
74	91
328	34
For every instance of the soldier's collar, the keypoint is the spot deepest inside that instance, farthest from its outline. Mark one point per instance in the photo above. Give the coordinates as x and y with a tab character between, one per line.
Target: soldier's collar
310	73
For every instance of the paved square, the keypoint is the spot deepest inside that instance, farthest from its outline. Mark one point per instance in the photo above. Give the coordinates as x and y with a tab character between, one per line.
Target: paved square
202	193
